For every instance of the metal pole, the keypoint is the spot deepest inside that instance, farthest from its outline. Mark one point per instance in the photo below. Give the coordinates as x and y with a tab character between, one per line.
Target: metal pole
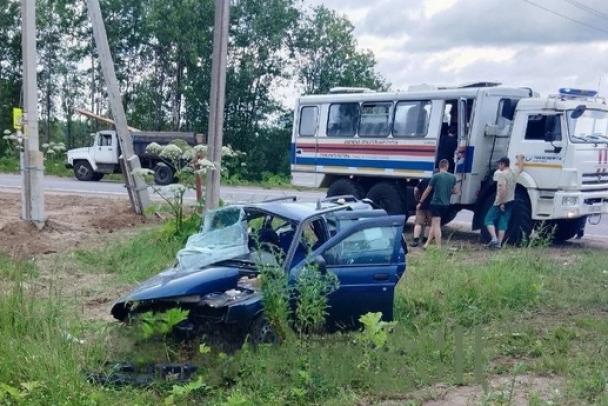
138	191
33	169
217	100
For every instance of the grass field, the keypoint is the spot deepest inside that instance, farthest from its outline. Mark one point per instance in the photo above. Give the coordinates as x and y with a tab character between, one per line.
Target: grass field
522	326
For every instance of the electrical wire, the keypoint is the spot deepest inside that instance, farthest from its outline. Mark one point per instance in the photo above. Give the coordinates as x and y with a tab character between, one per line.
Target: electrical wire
566	17
587	8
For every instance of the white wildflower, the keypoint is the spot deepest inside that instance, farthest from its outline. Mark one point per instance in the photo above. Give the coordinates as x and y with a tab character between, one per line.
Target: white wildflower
188	154
146	174
154	148
205	164
200	149
172	152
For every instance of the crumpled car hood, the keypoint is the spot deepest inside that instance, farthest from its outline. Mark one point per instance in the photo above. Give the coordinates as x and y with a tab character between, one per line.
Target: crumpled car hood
176	282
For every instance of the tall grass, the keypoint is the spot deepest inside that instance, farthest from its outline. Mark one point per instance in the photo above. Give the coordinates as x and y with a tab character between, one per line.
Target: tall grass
42	363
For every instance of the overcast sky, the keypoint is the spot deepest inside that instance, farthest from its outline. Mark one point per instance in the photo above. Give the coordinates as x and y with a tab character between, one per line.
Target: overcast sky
542	44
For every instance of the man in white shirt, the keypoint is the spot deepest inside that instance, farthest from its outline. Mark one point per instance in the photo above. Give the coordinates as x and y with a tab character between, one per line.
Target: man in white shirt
500	212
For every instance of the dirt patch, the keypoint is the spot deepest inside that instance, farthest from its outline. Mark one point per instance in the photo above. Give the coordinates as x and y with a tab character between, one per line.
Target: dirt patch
73	222
501	390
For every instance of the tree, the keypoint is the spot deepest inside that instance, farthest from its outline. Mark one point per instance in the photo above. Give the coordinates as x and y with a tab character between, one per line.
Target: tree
327	56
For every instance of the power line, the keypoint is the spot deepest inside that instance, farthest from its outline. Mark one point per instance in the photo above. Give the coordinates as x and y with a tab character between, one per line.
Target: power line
566	17
587	8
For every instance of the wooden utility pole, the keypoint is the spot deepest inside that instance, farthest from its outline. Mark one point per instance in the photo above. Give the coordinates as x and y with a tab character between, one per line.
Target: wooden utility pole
32	192
217	101
138	190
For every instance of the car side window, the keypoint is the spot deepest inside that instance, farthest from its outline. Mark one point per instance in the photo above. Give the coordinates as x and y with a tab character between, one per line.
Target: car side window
368	246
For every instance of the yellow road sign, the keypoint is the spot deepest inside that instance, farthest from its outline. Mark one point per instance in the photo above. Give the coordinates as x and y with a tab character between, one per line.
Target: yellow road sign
17	118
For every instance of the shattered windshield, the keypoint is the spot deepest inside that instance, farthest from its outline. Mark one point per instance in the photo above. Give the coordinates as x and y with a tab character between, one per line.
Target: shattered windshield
591	126
223	236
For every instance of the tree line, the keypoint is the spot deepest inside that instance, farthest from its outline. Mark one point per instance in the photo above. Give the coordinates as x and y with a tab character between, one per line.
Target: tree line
162	54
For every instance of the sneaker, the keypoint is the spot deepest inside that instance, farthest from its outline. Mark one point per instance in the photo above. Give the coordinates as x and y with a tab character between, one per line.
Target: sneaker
415	243
493	245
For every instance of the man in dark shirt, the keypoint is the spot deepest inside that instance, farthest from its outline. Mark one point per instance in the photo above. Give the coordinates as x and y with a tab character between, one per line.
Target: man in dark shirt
448	142
423	214
442	185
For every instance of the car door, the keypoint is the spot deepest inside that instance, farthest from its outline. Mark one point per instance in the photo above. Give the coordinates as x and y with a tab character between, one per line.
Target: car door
369	259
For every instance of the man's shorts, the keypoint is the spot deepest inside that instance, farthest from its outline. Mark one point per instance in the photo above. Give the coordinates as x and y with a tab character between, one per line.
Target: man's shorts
502	217
423	217
439	210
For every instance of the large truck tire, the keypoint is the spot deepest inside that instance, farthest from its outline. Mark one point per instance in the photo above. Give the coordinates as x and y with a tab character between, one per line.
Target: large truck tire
565	229
386	195
97	176
343	187
163	175
521	223
450	215
83	171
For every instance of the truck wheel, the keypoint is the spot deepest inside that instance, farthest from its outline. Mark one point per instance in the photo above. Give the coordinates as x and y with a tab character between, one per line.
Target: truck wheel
387	196
163	175
521	223
565	229
97	176
346	187
450	215
83	171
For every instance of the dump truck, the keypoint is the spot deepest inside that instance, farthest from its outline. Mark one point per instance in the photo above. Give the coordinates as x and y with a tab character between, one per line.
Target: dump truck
102	157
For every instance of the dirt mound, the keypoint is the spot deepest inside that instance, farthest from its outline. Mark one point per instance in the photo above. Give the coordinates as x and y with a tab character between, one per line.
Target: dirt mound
72	221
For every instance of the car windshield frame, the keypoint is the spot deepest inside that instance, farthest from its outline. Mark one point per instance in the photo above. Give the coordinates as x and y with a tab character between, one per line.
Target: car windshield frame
590	128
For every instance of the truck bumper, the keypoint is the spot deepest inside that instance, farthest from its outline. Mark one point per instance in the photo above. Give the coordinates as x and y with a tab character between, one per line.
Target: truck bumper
579	204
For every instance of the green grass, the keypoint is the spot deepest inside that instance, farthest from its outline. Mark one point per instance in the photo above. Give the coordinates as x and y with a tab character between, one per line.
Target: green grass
536	311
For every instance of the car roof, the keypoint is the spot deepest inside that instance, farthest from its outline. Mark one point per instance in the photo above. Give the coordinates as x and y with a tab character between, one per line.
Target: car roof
291	209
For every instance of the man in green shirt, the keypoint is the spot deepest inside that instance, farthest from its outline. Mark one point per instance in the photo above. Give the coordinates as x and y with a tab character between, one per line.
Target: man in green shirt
443	185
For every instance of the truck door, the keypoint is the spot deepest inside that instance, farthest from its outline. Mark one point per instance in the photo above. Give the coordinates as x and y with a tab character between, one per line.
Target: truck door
304	146
540	140
105	148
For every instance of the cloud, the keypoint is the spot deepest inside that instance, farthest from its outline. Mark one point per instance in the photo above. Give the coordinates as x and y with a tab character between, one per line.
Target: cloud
543	44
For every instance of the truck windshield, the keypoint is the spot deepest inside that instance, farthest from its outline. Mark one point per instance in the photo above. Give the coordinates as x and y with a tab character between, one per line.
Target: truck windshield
590	127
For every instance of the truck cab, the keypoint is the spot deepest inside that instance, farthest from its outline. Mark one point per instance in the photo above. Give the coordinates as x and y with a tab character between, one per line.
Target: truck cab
92	163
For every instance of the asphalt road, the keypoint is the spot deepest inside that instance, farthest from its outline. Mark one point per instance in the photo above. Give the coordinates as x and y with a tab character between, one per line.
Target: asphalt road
233	194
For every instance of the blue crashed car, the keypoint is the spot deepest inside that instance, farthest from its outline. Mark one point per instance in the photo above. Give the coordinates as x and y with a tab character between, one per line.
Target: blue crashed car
215	274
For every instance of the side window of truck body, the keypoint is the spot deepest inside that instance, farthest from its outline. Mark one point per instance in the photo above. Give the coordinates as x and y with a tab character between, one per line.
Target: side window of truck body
309	121
343	119
412	119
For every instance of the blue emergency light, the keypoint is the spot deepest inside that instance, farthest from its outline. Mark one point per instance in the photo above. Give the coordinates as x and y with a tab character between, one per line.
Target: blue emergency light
566	91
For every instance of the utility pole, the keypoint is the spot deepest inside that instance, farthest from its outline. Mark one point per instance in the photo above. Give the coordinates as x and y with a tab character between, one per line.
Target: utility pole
137	188
217	101
32	192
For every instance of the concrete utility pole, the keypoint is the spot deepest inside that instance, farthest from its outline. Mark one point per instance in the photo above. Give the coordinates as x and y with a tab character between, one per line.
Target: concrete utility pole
32	193
138	190
217	101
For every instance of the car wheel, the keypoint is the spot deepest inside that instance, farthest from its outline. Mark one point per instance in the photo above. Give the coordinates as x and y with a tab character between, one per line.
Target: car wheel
83	171
260	332
163	175
348	187
387	196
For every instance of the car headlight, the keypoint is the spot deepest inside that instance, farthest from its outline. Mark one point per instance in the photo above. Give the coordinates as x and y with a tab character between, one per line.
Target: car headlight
568	201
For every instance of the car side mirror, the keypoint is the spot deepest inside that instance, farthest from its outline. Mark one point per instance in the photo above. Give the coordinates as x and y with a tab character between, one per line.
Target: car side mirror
321	264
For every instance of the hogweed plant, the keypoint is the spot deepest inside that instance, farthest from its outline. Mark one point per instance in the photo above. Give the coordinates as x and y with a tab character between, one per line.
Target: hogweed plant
190	164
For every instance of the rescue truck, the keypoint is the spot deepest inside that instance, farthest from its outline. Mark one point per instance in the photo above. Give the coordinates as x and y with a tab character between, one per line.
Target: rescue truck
354	141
